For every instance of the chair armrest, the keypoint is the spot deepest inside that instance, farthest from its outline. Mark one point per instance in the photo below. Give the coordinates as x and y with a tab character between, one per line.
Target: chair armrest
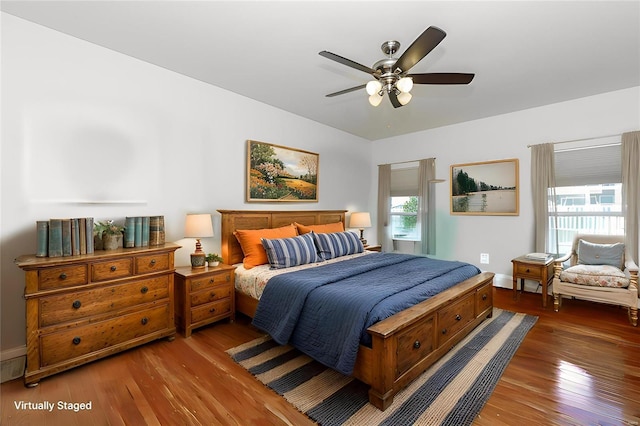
631	266
563	258
557	264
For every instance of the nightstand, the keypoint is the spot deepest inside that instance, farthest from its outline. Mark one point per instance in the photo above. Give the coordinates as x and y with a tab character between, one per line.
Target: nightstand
203	296
373	248
541	271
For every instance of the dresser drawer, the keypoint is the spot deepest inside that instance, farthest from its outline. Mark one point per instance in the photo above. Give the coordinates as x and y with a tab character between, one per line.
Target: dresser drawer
210	281
454	317
82	304
211	310
414	344
65	276
72	343
111	270
484	298
211	294
152	263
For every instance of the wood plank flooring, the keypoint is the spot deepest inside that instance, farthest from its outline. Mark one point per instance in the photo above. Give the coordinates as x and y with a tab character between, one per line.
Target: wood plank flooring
580	366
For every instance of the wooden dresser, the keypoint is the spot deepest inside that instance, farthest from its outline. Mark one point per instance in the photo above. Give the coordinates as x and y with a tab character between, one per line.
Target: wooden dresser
203	296
82	308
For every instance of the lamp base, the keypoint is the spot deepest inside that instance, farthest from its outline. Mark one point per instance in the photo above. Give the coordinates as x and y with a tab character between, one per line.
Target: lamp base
198	260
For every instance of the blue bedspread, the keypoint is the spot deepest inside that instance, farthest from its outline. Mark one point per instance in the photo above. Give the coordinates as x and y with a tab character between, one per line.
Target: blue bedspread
325	311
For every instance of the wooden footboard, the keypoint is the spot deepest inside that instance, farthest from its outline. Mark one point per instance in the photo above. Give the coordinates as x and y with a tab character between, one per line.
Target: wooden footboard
403	345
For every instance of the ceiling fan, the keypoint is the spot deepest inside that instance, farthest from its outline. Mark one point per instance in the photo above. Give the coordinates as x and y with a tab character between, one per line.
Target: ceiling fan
391	74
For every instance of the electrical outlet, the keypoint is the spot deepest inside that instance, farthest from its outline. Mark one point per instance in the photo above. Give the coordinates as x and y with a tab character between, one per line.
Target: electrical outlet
484	258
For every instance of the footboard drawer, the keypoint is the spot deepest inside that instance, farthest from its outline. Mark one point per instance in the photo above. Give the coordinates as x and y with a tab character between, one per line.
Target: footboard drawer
414	344
454	317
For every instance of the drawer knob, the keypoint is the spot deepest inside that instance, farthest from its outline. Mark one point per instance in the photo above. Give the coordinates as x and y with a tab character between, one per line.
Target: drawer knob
228	278
113	268
153	262
144	290
458	317
76	340
76	304
63	276
210	280
527	269
444	331
212	310
416	344
213	294
484	297
144	321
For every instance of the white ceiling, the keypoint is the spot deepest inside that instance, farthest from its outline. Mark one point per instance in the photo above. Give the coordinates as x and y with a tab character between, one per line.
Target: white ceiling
524	54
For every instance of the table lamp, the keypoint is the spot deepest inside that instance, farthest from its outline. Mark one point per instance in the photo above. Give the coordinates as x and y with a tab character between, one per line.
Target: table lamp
360	220
198	226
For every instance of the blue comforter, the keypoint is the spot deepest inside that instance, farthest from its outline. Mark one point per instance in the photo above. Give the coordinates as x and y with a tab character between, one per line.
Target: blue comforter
325	311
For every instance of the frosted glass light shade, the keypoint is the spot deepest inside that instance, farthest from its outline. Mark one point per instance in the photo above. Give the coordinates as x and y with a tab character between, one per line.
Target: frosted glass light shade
373	87
404	98
405	84
375	99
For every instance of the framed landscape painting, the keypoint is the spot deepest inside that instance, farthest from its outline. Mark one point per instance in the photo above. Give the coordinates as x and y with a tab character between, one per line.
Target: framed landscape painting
486	188
282	174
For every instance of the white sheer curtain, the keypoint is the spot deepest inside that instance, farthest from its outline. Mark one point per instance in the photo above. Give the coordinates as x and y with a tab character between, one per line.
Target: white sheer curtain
630	188
384	207
543	178
426	209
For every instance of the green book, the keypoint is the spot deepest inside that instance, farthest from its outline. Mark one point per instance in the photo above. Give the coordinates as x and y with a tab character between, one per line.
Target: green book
145	231
129	232
42	238
55	237
138	233
66	237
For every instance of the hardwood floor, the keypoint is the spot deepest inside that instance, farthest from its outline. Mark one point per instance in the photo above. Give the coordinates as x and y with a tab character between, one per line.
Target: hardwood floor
580	366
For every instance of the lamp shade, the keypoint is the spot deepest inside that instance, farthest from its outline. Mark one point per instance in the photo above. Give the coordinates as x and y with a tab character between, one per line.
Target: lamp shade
360	220
198	226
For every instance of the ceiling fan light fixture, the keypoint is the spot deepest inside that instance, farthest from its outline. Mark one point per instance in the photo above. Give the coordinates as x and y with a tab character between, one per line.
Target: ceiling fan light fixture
405	84
404	98
375	99
373	87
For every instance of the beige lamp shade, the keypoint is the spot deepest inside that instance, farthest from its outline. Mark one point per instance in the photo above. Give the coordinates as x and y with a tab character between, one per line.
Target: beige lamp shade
360	220
198	226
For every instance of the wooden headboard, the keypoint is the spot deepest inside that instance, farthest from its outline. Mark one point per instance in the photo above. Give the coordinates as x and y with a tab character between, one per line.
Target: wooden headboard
256	219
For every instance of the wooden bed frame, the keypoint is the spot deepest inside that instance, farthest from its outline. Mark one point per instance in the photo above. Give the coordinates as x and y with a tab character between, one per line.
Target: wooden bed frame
403	345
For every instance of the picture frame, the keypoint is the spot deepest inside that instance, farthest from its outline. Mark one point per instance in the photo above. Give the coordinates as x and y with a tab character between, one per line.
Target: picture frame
485	188
278	173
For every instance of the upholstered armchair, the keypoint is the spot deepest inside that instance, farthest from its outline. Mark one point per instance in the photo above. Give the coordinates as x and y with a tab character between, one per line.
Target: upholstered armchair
600	270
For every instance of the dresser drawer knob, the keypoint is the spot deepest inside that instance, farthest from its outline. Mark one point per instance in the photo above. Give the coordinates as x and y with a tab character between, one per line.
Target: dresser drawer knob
527	270
213	294
153	262
416	344
76	304
458	317
212	310
444	331
144	290
484	297
228	278
211	280
63	276
144	321
113	268
76	340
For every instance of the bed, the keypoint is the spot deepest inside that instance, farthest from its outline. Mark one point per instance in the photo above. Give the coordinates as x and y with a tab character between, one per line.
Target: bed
401	346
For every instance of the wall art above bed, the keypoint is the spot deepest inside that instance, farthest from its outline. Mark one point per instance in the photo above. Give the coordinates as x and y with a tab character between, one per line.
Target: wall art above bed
486	188
278	173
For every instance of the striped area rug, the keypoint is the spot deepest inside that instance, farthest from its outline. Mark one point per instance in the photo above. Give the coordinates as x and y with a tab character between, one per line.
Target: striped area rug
450	392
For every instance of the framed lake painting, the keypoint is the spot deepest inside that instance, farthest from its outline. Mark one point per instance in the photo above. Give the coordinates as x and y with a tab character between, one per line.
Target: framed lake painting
485	188
280	174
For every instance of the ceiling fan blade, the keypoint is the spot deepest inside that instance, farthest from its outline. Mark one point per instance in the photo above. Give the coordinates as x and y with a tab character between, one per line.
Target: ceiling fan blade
345	61
342	92
424	44
394	99
442	78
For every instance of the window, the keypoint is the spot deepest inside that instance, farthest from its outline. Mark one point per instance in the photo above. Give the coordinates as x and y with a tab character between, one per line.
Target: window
588	195
404	202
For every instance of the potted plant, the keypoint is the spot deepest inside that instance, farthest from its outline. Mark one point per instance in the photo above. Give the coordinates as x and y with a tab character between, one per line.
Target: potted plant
109	233
213	259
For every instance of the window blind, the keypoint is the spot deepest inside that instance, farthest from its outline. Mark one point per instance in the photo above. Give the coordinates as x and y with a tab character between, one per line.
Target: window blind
588	166
404	182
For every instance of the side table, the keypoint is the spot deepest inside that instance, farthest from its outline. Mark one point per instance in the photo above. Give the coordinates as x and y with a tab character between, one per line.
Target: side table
535	270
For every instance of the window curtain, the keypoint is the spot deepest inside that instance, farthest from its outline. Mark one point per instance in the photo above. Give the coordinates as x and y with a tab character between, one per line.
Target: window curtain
384	207
426	210
630	188
543	178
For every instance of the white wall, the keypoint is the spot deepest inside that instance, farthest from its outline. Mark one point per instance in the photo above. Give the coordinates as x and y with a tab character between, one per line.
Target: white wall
502	137
178	146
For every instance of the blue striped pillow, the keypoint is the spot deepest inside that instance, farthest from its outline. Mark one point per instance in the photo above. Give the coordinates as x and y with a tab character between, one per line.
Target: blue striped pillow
336	244
287	252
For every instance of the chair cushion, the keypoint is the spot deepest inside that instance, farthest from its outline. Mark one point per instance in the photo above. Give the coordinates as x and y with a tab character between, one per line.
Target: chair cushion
595	275
601	254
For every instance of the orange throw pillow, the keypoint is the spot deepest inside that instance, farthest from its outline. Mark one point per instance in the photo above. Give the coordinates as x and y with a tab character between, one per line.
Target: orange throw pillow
320	229
252	248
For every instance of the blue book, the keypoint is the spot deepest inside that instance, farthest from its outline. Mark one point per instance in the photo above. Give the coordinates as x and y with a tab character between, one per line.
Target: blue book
89	232
42	238
129	232
138	235
66	237
145	231
55	237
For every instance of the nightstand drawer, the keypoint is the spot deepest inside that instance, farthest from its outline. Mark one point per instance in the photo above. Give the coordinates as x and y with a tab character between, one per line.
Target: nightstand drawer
78	305
64	345
152	263
112	269
210	281
210	295
210	311
528	270
66	276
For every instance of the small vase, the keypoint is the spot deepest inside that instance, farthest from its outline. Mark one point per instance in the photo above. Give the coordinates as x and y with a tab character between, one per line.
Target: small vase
212	264
111	242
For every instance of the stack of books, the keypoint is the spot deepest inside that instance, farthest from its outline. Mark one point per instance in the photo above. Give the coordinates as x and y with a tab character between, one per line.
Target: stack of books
64	237
142	231
540	257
